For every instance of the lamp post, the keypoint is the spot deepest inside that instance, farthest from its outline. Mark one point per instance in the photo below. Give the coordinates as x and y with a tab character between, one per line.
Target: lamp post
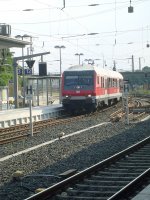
60	47
22	37
79	54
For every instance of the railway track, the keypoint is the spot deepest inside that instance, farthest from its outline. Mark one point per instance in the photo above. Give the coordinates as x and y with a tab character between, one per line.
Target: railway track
19	132
12	134
138	109
115	178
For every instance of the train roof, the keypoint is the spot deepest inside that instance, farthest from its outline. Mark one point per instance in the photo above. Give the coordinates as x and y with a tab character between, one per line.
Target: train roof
101	71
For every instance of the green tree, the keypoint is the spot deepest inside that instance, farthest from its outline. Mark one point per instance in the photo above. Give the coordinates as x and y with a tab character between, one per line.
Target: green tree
6	68
146	69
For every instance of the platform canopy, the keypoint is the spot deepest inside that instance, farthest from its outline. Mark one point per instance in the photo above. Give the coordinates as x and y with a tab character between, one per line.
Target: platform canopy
8	42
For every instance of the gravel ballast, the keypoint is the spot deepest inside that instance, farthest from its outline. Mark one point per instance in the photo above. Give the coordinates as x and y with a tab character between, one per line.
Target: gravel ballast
78	151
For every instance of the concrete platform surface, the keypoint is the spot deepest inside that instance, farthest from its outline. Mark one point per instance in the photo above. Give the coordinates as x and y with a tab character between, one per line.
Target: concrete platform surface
144	194
22	115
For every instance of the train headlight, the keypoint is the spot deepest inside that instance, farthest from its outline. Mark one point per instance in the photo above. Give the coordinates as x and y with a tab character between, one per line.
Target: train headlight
89	95
67	96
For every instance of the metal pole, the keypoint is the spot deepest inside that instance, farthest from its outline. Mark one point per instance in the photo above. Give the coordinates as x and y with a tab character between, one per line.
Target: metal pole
79	59
47	92
23	78
38	93
7	98
60	78
41	58
132	63
31	123
127	110
139	63
31	52
126	91
15	83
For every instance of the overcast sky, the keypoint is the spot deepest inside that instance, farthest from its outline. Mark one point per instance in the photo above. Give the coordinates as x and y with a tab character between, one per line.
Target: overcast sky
119	34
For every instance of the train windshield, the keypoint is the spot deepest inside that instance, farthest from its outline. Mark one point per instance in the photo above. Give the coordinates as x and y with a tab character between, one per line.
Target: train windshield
78	80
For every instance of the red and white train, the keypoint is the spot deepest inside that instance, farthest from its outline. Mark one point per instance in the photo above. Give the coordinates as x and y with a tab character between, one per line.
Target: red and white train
88	87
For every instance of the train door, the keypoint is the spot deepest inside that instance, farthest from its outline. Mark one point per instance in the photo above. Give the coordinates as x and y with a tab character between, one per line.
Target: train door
105	85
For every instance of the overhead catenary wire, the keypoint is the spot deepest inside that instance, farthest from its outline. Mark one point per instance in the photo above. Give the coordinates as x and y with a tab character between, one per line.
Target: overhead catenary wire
77	17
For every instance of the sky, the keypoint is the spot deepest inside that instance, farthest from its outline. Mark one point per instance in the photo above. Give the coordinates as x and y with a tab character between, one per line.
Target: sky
105	32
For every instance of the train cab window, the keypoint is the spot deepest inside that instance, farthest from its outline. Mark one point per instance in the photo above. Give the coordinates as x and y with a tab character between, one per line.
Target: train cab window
78	80
71	80
85	80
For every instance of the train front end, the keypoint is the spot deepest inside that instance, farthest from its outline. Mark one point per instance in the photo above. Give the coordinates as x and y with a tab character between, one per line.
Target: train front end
78	92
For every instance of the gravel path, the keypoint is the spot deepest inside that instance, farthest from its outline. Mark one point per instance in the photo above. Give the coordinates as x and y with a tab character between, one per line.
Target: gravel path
78	151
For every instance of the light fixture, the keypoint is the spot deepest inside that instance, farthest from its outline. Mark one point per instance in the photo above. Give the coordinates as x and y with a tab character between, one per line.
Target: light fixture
28	9
79	54
92	33
94	4
130	8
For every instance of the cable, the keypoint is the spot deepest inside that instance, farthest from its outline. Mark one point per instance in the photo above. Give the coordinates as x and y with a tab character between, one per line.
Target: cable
78	17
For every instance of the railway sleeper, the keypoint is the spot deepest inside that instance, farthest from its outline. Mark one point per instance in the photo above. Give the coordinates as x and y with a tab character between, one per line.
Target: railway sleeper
60	197
118	174
105	182
134	164
87	193
113	178
141	154
128	167
98	187
131	170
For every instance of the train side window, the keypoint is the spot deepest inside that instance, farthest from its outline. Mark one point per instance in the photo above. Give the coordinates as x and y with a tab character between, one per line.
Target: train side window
106	83
121	85
109	82
115	82
98	80
102	78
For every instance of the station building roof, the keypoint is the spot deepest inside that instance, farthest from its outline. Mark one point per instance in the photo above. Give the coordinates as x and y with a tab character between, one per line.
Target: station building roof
8	42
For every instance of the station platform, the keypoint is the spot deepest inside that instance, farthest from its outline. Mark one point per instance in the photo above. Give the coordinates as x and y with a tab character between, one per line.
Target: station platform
144	194
22	115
